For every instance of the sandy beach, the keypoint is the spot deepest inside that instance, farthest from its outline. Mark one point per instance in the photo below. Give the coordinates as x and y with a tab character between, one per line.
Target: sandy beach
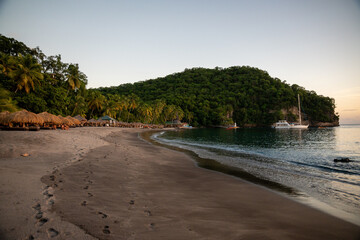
107	183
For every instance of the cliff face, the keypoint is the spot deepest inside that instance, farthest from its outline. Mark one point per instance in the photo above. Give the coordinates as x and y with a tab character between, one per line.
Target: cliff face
292	115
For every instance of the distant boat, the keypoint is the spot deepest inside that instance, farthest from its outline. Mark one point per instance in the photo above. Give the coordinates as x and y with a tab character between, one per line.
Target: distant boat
232	127
283	124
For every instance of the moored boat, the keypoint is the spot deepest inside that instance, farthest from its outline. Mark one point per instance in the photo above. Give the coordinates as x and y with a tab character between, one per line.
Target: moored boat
283	124
232	127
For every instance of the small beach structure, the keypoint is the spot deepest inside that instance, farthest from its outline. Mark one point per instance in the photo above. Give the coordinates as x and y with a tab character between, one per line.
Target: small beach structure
74	120
22	120
66	123
93	123
3	117
50	120
174	123
81	119
107	120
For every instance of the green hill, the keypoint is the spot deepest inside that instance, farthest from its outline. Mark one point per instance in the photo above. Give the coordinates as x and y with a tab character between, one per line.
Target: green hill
246	95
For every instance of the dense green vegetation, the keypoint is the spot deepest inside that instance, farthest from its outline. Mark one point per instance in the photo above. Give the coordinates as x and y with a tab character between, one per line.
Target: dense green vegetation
203	97
31	80
246	95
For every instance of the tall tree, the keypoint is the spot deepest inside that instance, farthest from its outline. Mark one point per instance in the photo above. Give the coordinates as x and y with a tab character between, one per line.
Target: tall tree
7	64
96	102
132	104
27	73
158	109
146	112
74	77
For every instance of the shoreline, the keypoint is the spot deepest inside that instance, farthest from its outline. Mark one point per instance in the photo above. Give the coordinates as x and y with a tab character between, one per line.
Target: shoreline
216	166
278	188
122	187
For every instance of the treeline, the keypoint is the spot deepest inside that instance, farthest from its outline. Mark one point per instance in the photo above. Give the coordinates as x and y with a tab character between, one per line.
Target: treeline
33	81
245	95
202	97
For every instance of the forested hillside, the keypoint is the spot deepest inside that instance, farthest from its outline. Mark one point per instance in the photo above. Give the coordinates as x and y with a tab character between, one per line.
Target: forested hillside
202	97
246	95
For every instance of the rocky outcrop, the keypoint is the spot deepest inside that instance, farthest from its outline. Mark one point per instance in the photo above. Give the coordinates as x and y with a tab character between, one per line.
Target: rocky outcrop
324	124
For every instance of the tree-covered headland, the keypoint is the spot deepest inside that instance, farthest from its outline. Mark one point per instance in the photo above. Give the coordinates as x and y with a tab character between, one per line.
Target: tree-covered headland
203	97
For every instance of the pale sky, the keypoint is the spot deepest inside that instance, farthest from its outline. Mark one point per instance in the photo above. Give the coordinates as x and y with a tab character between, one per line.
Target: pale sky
312	43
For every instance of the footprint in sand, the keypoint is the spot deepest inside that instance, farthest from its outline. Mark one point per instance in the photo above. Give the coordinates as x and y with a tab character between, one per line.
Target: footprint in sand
42	221
148	212
52	232
106	230
103	214
152	226
37	207
47	194
39	215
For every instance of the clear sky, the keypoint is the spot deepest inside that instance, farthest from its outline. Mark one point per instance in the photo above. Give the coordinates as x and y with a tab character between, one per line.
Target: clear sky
312	43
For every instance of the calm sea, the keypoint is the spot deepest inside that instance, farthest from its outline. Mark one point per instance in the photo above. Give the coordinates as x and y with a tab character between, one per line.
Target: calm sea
300	159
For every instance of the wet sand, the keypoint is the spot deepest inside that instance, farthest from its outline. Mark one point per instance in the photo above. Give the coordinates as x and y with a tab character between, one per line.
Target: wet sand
107	183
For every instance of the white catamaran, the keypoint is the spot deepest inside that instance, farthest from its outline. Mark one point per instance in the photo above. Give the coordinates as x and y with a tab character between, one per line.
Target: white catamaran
285	124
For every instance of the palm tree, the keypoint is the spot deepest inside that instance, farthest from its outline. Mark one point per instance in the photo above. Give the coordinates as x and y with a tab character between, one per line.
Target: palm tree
132	104
178	113
7	64
189	116
110	107
6	102
80	106
96	101
158	109
146	111
168	112
74	77
27	73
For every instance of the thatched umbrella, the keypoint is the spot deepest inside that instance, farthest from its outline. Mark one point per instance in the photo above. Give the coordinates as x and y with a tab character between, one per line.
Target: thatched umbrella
66	121
23	117
93	122
50	118
74	120
80	118
3	117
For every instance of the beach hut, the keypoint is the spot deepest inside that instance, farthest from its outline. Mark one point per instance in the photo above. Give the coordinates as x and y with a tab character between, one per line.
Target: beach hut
74	120
66	123
92	122
3	117
23	119
50	120
81	119
108	120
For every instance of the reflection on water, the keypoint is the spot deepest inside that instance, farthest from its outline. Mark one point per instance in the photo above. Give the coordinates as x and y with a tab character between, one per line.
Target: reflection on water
298	158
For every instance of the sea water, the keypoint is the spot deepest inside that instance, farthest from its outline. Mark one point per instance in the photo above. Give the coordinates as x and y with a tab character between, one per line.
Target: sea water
302	159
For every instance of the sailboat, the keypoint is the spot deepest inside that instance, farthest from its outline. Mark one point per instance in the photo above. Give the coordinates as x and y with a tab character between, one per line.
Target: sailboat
286	125
232	127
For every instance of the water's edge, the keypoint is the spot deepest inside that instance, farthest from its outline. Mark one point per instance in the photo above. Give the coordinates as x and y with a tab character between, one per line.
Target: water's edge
286	191
220	167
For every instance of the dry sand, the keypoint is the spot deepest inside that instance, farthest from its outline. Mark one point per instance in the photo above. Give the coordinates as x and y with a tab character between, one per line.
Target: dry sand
106	183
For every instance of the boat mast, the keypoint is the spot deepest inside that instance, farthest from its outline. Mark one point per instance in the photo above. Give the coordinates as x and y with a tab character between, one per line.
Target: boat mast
299	109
